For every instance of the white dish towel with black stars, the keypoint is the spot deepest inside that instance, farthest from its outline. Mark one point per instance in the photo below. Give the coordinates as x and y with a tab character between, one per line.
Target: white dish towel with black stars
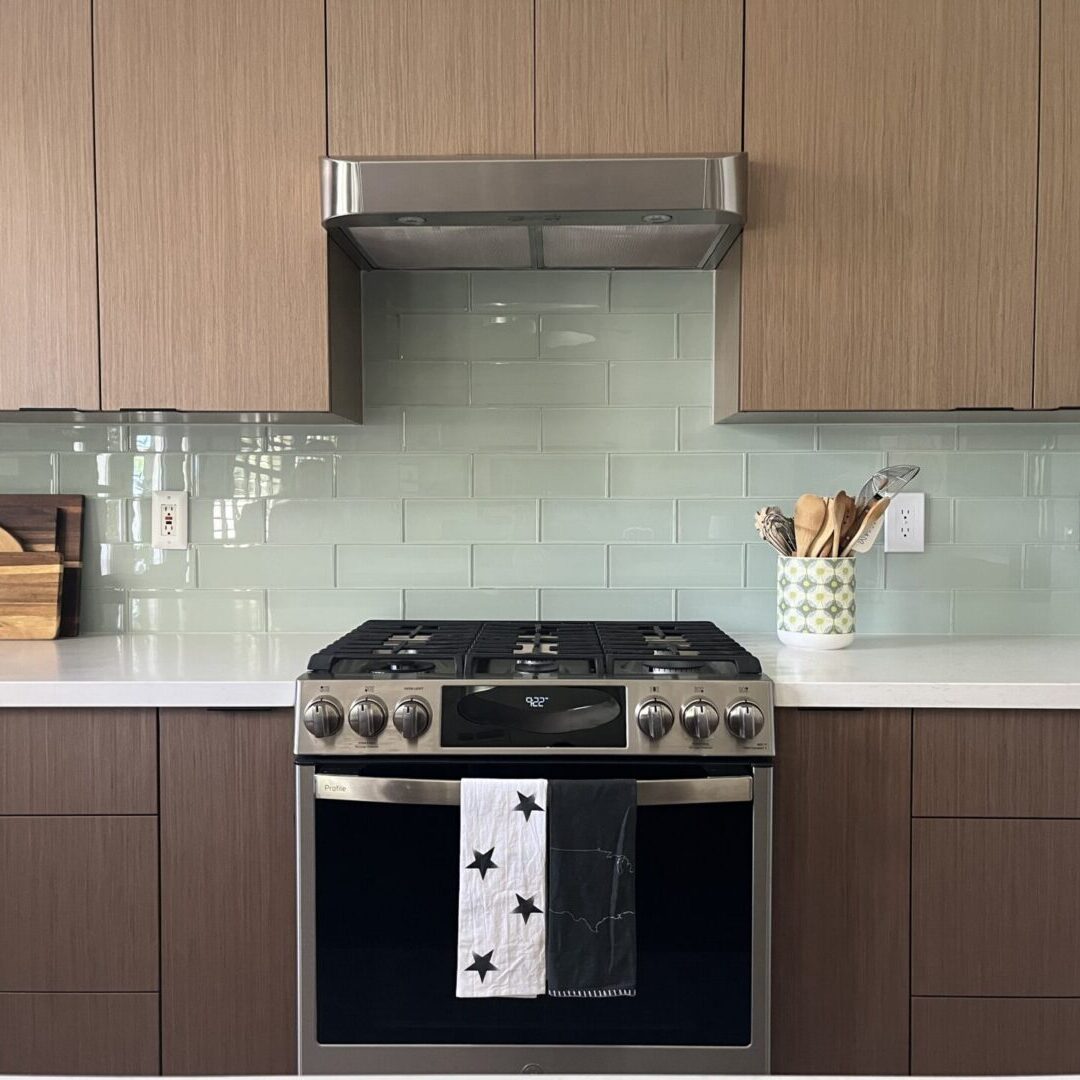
502	936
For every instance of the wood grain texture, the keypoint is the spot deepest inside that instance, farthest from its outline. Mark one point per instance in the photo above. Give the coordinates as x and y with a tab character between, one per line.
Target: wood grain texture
994	1037
994	909
79	1034
35	527
210	124
48	273
78	910
1057	315
228	862
889	257
638	77
841	838
78	761
998	763
30	583
430	78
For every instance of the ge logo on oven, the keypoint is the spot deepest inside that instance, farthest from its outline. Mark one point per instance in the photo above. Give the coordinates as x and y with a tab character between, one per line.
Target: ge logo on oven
536	702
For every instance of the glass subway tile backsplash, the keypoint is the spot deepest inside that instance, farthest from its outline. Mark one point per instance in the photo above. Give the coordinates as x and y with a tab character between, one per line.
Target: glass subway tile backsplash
540	445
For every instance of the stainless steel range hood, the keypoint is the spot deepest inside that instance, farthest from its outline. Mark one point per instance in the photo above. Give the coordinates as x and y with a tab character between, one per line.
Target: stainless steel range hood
518	214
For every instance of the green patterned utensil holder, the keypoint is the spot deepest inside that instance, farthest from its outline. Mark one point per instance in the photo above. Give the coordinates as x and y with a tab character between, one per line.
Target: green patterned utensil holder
815	602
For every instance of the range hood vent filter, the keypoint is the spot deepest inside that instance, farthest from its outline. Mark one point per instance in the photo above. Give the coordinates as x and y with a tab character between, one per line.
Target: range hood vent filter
635	247
444	247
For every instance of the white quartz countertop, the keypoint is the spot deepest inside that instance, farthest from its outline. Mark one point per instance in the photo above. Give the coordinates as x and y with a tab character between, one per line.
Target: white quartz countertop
258	671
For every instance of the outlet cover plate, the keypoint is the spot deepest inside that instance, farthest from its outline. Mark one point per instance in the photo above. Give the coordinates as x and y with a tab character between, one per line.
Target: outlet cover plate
169	520
905	522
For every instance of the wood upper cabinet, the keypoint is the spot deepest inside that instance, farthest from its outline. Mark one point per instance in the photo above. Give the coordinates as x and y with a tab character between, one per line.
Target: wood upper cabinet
1057	314
649	77
48	277
210	124
430	78
889	258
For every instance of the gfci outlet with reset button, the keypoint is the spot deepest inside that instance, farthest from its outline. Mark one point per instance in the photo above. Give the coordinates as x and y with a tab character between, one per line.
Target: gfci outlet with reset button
169	514
905	522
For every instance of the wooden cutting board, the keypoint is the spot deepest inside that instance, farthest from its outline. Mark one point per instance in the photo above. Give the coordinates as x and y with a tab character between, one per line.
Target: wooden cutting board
34	527
24	511
30	587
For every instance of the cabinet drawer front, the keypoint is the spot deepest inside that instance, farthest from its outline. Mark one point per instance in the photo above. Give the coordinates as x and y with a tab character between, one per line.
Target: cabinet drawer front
78	761
994	1036
1005	763
995	907
78	908
79	1034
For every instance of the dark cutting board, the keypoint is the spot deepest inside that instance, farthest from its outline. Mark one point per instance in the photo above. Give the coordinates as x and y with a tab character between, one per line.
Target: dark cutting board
21	515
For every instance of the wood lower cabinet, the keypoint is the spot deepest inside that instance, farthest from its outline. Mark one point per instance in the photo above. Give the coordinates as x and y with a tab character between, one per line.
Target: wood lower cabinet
842	805
228	893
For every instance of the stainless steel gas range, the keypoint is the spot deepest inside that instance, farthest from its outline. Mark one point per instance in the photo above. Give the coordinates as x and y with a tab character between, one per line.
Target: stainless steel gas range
393	716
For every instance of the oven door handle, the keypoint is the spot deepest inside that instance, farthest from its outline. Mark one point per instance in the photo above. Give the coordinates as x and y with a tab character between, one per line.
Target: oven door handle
387	789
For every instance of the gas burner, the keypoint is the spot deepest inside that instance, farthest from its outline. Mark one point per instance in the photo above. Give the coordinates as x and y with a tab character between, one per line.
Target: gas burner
537	664
401	667
670	665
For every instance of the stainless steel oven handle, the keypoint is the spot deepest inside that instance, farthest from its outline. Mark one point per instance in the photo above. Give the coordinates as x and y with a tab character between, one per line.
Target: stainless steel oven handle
386	789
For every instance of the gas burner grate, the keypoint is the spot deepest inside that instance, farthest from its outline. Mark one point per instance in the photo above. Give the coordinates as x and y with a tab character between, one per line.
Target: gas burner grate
529	649
673	648
386	647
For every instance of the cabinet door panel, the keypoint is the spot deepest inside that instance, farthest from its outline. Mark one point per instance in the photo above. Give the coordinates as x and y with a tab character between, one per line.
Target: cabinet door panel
48	275
430	78
638	77
889	258
210	123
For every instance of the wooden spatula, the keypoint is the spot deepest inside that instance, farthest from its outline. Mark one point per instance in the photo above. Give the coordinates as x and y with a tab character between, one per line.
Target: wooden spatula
867	529
822	544
809	518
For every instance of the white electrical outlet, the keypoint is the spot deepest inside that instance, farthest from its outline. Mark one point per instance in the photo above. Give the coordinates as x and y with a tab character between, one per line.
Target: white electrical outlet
169	515
905	522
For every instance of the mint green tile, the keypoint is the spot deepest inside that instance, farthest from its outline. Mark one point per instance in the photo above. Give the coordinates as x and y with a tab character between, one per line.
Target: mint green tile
105	521
468	337
887	437
539	290
607	337
888	611
970	474
380	476
761	568
102	611
641	429
277	566
660	382
539	474
382	429
698	432
604	520
255	476
31	471
228	521
196	611
79	438
138	566
738	611
1034	612
469	520
450	427
187	438
956	566
329	611
593	604
540	382
696	338
416	290
1017	521
121	474
673	475
1052	474
791	474
402	566
1056	567
662	290
939	520
724	521
333	521
424	382
1020	436
676	565
427	604
538	565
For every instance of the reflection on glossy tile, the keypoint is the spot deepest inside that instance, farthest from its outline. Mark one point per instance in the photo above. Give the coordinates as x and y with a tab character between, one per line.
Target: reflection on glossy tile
470	604
1017	521
228	521
378	476
80	438
607	337
539	474
539	290
540	382
252	476
533	565
959	566
662	290
158	438
737	611
790	475
280	566
1033	612
998	475
382	429
333	521
676	565
402	565
131	565
640	429
196	611
695	337
676	474
1047	567
660	382
469	520
28	472
104	522
423	382
453	428
600	604
608	520
329	611
121	474
102	611
468	337
887	437
1052	474
416	290
698	432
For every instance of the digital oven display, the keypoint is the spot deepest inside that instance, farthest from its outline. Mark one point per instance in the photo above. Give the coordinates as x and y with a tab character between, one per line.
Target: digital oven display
533	715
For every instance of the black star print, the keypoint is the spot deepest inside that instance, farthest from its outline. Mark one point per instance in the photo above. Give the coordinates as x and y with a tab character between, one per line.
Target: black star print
528	805
483	862
525	907
482	964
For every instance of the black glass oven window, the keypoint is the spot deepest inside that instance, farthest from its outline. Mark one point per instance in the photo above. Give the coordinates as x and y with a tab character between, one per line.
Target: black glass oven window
386	914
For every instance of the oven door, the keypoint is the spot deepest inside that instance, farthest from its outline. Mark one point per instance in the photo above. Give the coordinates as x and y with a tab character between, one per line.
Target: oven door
378	885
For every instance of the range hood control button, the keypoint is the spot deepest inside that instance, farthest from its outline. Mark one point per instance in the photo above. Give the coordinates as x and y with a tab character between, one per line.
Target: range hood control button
412	718
744	720
700	718
367	717
655	718
323	717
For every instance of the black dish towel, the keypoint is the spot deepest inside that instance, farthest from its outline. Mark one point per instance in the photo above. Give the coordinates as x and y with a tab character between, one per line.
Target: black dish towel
591	917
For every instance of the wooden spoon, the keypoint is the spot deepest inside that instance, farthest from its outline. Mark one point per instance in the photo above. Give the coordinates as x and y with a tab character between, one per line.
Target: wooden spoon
809	517
8	543
847	521
865	532
822	544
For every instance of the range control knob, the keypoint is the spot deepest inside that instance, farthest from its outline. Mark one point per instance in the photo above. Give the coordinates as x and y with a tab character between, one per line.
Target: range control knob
700	718
412	718
323	717
655	717
367	717
744	720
